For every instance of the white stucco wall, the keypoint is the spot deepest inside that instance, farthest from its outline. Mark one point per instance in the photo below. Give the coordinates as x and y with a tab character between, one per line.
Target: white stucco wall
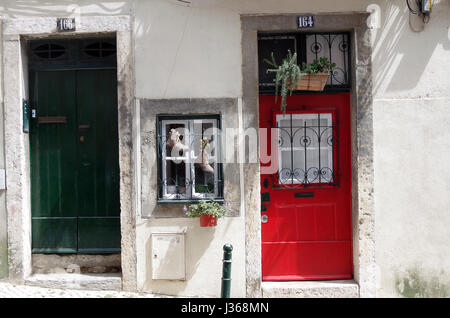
195	51
204	253
411	147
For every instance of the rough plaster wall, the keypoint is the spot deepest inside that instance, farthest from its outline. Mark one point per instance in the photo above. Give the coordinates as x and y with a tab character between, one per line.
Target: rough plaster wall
17	195
411	138
127	156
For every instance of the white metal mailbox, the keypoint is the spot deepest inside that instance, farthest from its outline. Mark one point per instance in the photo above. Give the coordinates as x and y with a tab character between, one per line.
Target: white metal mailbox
168	256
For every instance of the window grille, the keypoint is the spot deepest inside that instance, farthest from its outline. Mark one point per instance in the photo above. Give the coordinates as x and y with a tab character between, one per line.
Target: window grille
189	158
307	144
49	51
100	49
308	46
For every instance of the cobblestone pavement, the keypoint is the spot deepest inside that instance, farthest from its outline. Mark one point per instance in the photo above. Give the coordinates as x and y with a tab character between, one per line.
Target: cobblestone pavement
8	290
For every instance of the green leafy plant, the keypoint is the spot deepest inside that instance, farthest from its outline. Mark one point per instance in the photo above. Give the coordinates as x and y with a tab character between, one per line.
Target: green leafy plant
288	73
319	66
209	207
285	73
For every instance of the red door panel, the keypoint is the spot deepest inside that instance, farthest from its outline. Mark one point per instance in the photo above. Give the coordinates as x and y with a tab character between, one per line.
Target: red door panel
306	260
306	199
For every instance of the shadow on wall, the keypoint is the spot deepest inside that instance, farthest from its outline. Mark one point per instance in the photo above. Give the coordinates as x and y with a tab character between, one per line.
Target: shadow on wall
401	55
22	8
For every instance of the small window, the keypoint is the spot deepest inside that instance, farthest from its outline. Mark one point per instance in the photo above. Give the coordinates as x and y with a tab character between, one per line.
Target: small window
49	51
306	147
308	46
189	158
100	49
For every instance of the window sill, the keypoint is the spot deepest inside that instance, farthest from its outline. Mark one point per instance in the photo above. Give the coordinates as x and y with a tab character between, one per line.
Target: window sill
187	201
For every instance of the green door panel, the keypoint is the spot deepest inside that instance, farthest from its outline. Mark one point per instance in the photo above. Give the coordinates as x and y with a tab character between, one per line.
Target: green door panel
99	235
98	143
74	162
53	145
54	235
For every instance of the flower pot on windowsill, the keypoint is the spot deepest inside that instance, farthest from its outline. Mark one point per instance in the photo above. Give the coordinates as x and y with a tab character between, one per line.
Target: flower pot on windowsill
208	211
312	82
208	220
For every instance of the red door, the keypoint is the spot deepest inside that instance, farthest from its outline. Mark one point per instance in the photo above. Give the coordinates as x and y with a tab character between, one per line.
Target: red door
306	188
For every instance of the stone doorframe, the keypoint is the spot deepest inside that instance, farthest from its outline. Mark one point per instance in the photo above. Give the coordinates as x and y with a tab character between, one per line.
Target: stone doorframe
15	69
363	215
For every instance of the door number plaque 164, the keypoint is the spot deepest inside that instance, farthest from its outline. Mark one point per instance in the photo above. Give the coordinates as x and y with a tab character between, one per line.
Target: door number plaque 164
305	21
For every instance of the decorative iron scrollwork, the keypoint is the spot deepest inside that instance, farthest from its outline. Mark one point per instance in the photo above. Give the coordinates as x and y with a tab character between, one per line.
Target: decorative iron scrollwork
306	152
308	46
333	46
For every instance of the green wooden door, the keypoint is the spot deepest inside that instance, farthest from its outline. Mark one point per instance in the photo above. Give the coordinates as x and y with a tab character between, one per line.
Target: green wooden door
74	162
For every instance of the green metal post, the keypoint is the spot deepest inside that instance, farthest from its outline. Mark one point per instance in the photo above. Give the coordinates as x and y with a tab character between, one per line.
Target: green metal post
226	271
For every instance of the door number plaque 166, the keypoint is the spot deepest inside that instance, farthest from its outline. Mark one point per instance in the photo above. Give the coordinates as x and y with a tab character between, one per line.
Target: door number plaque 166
65	24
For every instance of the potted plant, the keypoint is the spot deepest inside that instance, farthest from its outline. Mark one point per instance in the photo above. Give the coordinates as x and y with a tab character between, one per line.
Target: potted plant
208	211
285	73
289	76
315	75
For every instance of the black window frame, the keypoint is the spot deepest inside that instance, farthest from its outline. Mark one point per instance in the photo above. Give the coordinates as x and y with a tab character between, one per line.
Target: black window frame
300	49
159	150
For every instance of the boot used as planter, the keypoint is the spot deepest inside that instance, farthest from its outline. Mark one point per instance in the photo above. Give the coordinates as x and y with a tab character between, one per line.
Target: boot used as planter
174	142
203	157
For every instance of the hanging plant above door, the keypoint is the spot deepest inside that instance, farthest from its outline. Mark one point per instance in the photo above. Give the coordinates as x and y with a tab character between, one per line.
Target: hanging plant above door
289	76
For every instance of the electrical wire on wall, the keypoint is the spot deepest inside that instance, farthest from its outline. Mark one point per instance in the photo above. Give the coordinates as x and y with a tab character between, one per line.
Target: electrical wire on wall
187	4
